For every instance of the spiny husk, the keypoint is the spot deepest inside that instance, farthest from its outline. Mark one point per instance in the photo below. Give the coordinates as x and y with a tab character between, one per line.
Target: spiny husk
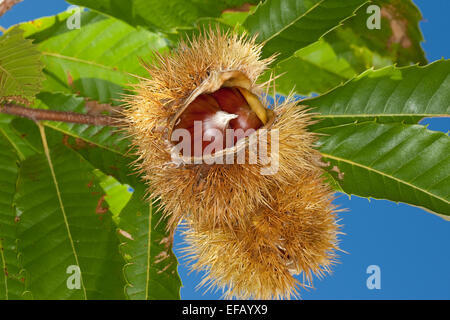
210	194
295	234
250	232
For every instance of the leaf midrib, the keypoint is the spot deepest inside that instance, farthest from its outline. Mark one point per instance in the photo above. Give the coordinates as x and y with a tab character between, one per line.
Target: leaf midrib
88	62
326	155
2	256
293	22
61	204
72	134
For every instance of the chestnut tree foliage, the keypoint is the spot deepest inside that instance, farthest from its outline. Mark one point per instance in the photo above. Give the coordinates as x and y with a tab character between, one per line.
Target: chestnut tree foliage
68	195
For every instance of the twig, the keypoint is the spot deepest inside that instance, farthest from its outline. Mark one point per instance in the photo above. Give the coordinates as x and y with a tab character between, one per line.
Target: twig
63	116
5	5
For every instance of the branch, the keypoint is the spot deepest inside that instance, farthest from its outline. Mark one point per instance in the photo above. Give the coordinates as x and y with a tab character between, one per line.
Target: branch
63	116
5	5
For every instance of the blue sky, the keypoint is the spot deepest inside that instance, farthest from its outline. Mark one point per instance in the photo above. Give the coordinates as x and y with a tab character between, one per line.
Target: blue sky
408	244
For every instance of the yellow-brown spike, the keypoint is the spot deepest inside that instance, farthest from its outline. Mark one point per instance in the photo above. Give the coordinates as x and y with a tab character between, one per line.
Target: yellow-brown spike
295	234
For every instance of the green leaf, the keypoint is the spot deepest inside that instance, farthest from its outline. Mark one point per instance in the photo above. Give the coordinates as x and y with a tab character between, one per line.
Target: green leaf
24	136
17	140
21	133
150	274
43	28
230	21
288	25
234	18
398	41
151	271
117	194
401	163
107	137
152	267
63	224
391	94
159	15
6	118
348	45
399	37
313	69
352	48
20	67
98	60
11	273
201	25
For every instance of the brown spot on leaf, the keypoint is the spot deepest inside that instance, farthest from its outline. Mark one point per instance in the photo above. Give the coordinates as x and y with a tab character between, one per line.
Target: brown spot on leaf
65	141
69	79
16	219
78	145
399	27
125	234
100	209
